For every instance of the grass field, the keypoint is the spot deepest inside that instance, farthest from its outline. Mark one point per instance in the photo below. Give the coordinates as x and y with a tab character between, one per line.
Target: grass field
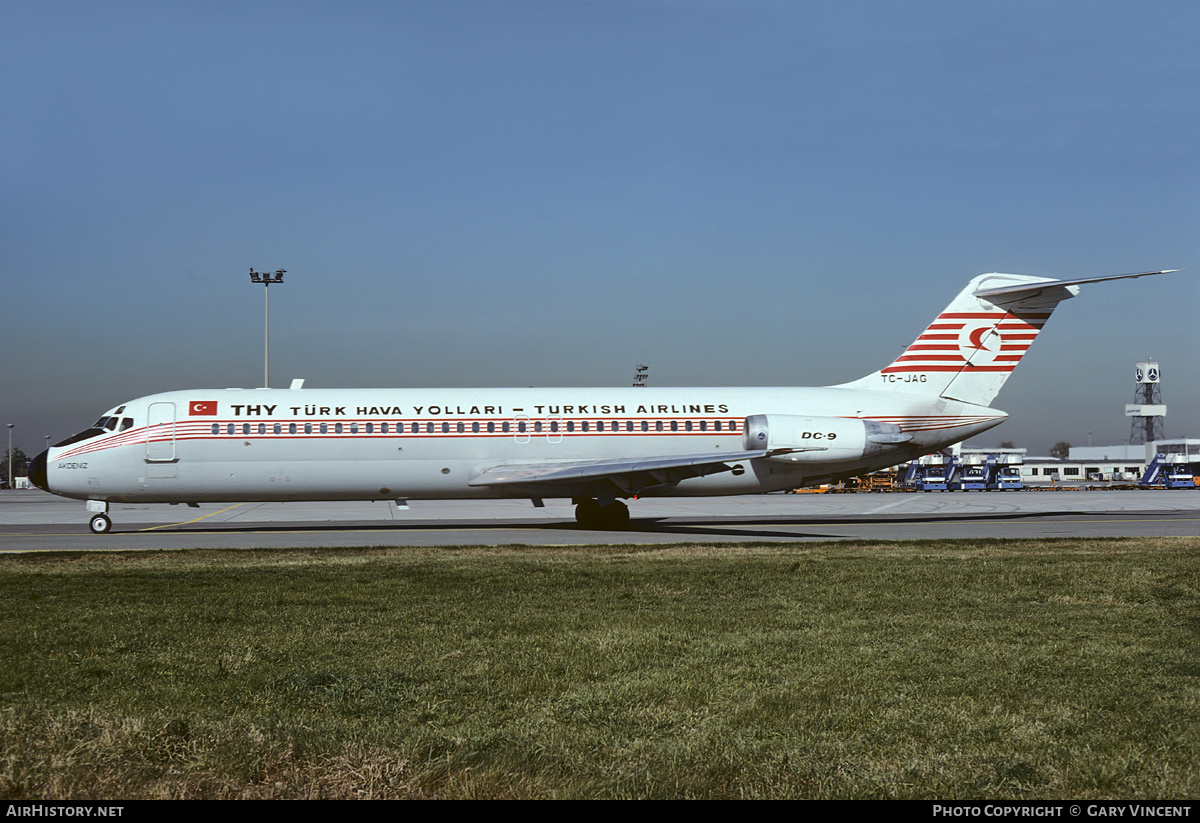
948	669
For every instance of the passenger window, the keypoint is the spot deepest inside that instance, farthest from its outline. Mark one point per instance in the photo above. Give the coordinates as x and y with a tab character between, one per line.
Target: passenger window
277	428
324	428
460	428
291	428
354	428
229	428
658	426
688	425
645	426
491	427
262	428
445	428
308	428
337	428
216	428
475	427
674	425
245	428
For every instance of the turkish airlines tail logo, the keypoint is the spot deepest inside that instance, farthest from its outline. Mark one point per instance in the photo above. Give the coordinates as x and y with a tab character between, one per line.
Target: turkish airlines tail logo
986	341
198	407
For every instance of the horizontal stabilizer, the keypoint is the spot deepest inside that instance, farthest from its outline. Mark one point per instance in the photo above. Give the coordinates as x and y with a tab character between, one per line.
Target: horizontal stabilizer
1008	294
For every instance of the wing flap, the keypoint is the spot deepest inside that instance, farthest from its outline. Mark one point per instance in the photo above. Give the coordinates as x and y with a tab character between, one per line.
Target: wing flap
624	472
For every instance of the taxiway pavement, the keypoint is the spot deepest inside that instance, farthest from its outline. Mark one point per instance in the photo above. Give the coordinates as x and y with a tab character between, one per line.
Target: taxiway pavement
32	520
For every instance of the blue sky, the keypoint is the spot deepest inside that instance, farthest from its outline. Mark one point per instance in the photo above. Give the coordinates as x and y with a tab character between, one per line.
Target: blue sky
503	193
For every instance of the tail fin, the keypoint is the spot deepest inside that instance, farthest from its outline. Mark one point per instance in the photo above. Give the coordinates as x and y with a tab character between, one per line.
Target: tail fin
972	347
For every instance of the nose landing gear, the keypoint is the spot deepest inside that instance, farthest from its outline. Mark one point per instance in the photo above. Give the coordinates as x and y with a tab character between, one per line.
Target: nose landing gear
99	521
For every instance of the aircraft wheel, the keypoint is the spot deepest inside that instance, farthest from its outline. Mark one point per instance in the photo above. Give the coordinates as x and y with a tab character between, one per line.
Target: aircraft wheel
587	514
100	524
615	515
591	515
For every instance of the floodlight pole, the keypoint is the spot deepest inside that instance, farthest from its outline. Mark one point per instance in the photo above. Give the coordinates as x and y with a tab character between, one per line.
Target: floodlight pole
267	278
10	477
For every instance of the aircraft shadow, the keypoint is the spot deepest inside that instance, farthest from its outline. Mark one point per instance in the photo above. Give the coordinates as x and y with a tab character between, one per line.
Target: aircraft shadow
766	527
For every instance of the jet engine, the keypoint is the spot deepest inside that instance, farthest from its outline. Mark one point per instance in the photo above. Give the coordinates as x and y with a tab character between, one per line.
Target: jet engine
796	439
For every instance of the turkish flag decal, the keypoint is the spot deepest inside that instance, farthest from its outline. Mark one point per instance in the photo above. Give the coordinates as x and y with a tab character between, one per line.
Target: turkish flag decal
202	407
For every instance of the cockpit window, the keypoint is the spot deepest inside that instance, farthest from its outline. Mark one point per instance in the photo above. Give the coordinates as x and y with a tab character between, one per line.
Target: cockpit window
107	423
83	435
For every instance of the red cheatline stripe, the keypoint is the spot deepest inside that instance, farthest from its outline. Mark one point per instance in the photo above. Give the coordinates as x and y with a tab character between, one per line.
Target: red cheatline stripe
197	430
423	435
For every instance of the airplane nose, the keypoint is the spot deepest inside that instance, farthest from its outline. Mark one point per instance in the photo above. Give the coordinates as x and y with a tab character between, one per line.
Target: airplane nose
37	471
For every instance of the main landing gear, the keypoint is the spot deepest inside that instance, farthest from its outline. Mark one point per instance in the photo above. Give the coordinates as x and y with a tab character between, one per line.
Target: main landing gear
591	515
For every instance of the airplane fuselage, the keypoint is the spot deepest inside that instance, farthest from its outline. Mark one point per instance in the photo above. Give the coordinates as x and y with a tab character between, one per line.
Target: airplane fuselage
235	445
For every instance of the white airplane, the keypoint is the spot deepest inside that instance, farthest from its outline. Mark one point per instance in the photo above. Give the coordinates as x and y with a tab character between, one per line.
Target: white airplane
595	445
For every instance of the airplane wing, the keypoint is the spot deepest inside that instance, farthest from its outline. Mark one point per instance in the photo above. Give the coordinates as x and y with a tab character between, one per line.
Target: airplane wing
630	476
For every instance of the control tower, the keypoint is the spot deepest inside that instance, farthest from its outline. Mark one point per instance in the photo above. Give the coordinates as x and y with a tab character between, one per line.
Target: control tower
1147	411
